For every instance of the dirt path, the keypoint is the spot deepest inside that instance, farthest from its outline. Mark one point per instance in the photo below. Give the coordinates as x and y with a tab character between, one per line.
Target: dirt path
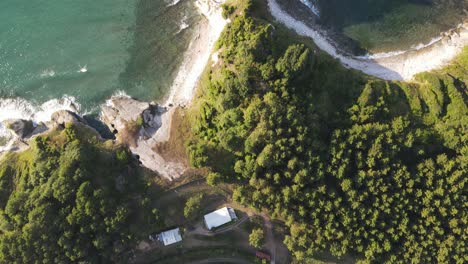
221	260
270	241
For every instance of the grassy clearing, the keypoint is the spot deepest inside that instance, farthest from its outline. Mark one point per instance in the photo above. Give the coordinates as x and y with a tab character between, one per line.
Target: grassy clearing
173	204
229	238
186	256
252	223
174	148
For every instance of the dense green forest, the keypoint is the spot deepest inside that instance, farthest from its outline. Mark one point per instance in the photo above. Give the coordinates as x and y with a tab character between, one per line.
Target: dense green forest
354	165
71	198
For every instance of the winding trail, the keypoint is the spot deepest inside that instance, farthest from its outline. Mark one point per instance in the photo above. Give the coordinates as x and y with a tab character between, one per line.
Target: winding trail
389	66
270	241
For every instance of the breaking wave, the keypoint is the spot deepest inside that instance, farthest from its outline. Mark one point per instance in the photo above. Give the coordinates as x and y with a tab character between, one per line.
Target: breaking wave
19	108
173	3
183	25
417	47
312	6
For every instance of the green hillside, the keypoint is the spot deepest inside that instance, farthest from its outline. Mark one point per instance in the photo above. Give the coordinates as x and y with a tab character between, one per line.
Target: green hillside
354	165
70	199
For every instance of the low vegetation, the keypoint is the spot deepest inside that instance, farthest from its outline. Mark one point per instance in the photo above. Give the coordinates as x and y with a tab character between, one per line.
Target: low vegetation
257	238
192	206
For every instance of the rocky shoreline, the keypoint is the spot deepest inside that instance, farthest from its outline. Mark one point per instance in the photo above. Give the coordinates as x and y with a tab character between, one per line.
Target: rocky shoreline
400	65
139	125
133	123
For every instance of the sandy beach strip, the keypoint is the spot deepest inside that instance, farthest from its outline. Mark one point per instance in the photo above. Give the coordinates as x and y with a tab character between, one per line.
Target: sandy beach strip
196	59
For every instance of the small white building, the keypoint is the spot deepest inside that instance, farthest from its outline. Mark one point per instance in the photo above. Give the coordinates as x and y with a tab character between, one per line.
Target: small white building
220	217
170	237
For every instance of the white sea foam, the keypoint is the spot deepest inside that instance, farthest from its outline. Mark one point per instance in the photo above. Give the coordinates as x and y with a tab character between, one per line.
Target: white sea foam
83	69
47	73
173	3
312	6
383	55
422	45
120	94
117	94
19	108
183	24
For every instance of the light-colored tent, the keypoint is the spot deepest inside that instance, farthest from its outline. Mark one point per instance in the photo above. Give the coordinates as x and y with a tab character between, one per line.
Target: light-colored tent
220	217
170	237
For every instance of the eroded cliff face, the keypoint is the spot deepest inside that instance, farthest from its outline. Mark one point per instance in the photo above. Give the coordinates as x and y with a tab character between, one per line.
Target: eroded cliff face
134	123
139	125
128	119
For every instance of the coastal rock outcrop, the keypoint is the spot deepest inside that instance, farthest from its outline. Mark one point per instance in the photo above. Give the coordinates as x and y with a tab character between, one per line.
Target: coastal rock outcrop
119	112
62	117
138	125
23	129
125	113
20	127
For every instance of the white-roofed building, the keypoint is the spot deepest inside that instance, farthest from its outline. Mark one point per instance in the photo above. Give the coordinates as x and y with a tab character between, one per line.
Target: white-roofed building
220	217
170	237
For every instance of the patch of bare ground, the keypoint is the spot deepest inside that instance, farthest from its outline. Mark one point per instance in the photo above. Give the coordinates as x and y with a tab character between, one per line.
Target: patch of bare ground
174	148
129	134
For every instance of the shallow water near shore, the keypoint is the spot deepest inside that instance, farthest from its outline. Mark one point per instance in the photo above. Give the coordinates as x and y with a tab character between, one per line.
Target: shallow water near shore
395	65
384	25
90	49
73	55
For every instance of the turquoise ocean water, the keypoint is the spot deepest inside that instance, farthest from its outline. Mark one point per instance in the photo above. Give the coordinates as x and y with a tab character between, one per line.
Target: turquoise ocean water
89	49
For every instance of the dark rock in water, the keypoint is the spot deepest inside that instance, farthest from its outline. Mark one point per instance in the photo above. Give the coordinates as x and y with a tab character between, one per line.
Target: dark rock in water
22	128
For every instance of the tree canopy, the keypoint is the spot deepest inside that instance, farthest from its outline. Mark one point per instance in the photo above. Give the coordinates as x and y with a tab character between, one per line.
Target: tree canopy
354	165
70	198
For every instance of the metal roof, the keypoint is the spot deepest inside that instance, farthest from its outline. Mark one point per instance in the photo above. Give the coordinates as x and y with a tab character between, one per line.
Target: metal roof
219	217
170	237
